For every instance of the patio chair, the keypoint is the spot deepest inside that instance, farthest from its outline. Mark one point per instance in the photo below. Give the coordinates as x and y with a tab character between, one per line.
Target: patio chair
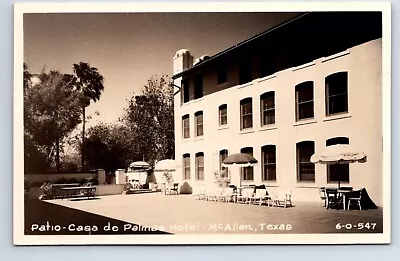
227	195
174	189
214	193
354	197
332	199
261	195
322	195
245	195
283	200
202	195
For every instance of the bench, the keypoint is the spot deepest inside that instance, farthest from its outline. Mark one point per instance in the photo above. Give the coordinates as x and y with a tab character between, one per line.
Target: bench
74	192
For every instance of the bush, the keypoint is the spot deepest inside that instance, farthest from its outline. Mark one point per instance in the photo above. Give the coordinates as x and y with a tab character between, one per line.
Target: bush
186	189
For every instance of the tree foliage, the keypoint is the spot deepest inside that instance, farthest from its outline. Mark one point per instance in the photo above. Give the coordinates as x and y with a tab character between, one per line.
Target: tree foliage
151	120
109	147
51	113
90	84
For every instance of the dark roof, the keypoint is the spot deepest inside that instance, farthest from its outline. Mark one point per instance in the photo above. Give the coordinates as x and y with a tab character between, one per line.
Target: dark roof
349	28
238	45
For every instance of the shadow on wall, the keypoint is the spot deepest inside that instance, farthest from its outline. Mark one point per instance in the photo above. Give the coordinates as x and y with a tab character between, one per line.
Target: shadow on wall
186	188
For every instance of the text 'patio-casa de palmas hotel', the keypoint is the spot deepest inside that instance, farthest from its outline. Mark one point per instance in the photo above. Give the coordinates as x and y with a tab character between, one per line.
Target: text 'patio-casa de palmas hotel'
282	96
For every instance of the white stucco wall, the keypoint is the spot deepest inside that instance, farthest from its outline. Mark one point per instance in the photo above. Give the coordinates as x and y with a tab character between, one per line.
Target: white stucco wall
362	124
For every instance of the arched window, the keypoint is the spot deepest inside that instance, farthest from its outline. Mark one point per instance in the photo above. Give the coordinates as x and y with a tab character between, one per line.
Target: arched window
223	114
247	172
304	100
268	159
186	126
336	93
198	116
199	164
338	172
267	103
305	168
246	113
186	166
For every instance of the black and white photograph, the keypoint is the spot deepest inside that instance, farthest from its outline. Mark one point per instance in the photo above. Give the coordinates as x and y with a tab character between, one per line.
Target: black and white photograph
202	124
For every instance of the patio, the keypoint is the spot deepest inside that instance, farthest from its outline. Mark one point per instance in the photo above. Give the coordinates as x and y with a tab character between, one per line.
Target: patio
184	214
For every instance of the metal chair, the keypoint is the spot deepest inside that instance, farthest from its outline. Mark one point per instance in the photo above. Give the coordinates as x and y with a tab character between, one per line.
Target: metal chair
332	199
322	195
354	197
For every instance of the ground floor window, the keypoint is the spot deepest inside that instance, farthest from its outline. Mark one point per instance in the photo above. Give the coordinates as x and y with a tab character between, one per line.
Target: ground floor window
268	158
247	172
338	172
186	166
199	166
224	170
305	168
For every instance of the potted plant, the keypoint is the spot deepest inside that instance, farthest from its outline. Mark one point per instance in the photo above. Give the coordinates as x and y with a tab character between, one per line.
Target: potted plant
222	178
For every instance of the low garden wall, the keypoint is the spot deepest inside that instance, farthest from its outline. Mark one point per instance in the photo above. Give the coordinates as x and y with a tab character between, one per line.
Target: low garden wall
101	190
36	180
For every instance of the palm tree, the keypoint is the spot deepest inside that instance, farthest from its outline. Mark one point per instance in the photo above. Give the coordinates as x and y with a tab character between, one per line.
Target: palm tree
89	82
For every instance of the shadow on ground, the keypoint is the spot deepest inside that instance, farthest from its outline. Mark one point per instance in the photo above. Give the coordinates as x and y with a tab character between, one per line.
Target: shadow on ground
43	218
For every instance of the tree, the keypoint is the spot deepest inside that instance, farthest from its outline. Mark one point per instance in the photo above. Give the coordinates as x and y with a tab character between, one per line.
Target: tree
89	83
110	147
150	116
51	112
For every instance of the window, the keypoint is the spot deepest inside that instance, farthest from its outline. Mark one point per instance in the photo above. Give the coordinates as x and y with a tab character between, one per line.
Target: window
338	172
222	75
305	169
223	114
336	93
185	90
186	126
199	166
247	172
268	162
245	73
304	100
246	113
222	155
267	101
199	123
186	166
198	86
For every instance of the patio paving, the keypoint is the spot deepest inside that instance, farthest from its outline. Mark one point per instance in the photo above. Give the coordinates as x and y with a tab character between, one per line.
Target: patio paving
184	214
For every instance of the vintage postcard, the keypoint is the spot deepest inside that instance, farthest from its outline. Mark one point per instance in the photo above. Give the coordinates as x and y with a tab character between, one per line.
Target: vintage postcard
207	123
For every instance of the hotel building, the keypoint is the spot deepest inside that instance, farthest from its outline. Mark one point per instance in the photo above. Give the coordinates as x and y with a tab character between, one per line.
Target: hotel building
283	95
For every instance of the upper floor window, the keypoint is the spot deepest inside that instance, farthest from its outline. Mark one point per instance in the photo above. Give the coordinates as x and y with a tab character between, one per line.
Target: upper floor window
223	114
185	90
304	100
338	172
246	113
186	126
336	94
199	166
268	162
247	172
267	102
222	75
305	168
199	123
198	86
245	73
186	166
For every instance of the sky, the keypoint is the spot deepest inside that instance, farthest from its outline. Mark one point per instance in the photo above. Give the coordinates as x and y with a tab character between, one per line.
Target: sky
129	48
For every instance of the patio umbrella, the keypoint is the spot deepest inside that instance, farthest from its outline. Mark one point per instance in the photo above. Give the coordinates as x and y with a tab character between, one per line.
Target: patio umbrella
165	165
240	160
139	165
339	154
